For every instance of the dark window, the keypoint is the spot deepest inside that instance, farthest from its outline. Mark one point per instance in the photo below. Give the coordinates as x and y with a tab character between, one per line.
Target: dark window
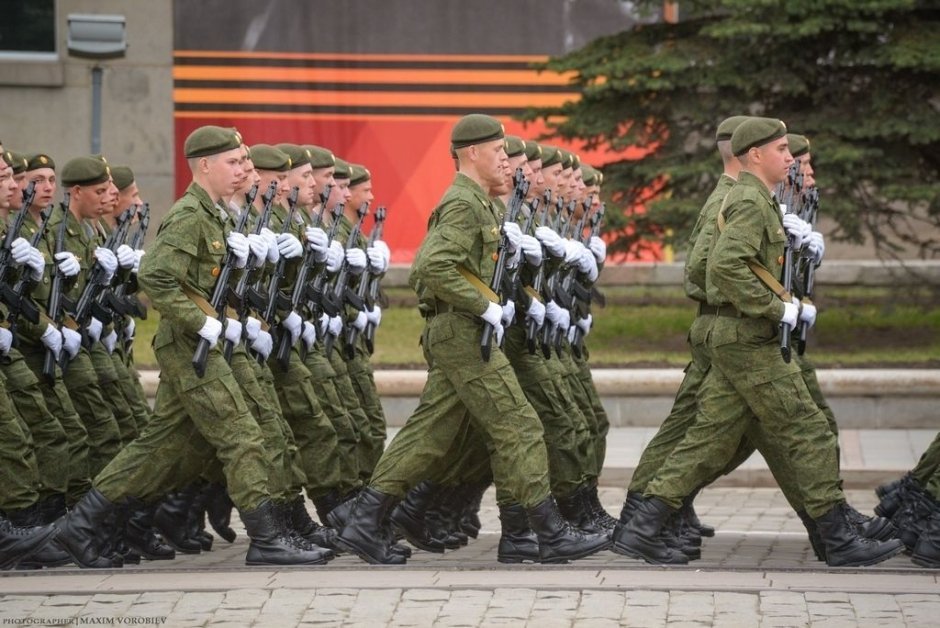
27	26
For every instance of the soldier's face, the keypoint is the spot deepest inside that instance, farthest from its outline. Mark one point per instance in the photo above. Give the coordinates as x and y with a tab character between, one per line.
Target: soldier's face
564	183
774	161
89	201
537	181
110	204
323	177
806	169
224	172
44	179
552	176
360	193
20	181
490	159
8	186
129	196
302	179
339	194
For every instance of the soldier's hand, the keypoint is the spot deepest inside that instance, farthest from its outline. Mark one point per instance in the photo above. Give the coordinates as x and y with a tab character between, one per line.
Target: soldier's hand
808	314
791	311
324	325
211	330
258	248
598	248
20	250
361	320
335	326
335	256
377	262
110	341
238	247
386	252
309	335
271	239
797	229
552	242
233	330
36	264
252	327
375	315
573	251
585	324
108	261
289	246
126	256
294	324
493	314
509	312
71	341
52	338
139	253
356	259
130	328
532	249
67	263
6	340
318	241
816	246
498	332
588	265
536	312
94	329
263	344
513	236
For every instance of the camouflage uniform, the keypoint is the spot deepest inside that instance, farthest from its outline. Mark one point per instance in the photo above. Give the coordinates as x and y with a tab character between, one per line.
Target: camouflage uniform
19	476
464	230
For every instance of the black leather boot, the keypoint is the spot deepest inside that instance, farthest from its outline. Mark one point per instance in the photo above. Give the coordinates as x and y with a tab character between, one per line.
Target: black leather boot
364	535
815	541
451	509
558	542
518	542
196	518
674	538
282	520
18	543
436	521
270	543
691	517
877	528
301	521
171	521
891	487
78	531
641	537
601	516
630	504
844	547
111	534
140	537
927	549
910	519
892	501
52	508
408	518
470	519
219	511
575	509
50	554
333	509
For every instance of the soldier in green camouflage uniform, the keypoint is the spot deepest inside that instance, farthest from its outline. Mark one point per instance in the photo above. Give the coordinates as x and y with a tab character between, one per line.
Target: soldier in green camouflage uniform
747	371
451	272
197	416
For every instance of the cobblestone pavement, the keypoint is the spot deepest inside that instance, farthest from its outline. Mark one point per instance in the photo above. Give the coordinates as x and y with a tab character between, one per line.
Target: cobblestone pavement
757	571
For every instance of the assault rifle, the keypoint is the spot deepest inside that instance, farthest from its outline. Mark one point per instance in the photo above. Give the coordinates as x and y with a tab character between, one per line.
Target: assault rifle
315	291
519	191
54	307
552	285
17	297
274	299
810	210
364	293
335	299
219	293
787	283
532	327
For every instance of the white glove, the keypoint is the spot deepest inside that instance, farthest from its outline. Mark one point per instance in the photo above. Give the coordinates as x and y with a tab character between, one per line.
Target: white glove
797	229
585	324
532	249
263	344
289	246
211	330
67	264
71	341
252	327
270	239
791	312
108	262
238	246
498	332
375	315
360	322
377	262
335	256
493	314
808	314
136	267
130	328
386	252
513	261
94	329
233	330
6	340
513	236
110	341
356	259
536	312
324	325
557	315
53	340
551	241
588	265
20	250
573	251
309	334
598	248
258	247
335	326
318	241
294	324
816	246
126	256
36	264
509	312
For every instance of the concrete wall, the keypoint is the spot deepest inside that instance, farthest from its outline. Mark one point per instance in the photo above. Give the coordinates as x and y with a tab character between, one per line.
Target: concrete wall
46	105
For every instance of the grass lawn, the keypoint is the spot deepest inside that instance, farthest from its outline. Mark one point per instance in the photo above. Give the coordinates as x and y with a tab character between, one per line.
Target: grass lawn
646	327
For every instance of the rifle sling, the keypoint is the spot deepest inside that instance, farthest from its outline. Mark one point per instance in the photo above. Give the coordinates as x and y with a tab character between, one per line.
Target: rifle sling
477	283
209	311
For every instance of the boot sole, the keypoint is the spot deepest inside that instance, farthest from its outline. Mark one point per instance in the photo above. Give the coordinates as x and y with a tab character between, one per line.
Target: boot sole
259	563
352	549
925	562
583	554
629	553
418	543
875	560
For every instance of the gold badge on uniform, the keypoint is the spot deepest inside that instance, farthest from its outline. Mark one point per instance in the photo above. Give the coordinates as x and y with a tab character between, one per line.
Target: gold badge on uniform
43	160
216	271
780	231
216	244
780	260
494	230
495	256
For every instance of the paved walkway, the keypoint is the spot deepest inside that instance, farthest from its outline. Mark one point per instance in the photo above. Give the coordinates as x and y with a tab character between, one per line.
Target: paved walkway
757	571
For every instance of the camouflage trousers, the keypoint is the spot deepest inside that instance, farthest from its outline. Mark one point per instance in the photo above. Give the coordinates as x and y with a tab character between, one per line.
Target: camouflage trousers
372	433
601	424
104	434
19	475
112	391
929	463
461	388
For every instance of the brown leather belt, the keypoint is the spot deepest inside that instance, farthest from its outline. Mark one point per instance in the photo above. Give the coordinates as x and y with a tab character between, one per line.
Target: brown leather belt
728	311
